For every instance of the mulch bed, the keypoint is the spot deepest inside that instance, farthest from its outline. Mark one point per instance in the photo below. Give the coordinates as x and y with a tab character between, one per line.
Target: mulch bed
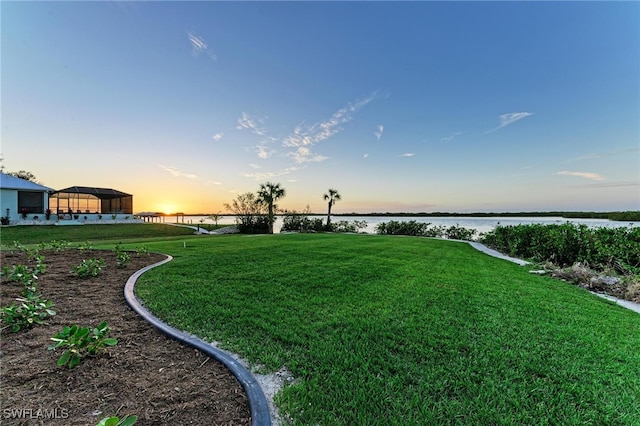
146	373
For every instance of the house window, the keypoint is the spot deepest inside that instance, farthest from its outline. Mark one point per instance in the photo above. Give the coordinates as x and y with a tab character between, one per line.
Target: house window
32	202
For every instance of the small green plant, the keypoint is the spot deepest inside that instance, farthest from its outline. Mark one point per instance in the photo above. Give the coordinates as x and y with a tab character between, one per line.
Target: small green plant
26	313
32	253
26	276
122	257
115	421
17	273
81	342
85	246
88	268
55	245
143	250
40	267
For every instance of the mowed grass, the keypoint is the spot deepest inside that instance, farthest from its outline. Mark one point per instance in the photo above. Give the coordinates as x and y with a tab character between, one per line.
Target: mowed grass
35	234
400	330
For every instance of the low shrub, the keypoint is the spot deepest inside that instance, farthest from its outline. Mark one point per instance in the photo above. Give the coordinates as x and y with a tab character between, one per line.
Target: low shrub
348	226
300	221
459	233
422	229
566	244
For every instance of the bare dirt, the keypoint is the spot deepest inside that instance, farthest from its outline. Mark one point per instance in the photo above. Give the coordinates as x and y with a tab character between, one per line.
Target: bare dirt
146	373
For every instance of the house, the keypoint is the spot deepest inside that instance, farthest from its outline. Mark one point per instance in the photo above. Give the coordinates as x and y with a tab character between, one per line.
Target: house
20	198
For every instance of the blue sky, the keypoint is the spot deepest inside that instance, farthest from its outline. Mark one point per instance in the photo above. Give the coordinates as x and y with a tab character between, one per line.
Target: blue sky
401	106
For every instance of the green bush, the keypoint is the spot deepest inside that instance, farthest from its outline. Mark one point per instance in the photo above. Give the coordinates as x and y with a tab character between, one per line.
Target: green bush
411	227
566	244
294	221
422	229
348	226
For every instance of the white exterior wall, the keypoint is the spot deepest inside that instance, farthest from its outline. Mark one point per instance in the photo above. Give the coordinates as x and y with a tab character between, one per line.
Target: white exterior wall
9	200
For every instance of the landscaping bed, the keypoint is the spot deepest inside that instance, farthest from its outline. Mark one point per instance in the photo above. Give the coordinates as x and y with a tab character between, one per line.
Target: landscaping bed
146	374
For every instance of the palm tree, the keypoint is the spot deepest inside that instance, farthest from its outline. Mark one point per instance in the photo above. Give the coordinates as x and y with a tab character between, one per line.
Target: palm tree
332	196
268	194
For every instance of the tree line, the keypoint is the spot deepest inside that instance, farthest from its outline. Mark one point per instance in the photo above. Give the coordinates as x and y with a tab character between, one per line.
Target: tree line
255	211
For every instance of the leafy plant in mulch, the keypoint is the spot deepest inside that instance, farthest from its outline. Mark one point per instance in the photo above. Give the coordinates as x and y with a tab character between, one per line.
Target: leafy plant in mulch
115	421
81	342
122	257
56	245
26	313
31	309
88	268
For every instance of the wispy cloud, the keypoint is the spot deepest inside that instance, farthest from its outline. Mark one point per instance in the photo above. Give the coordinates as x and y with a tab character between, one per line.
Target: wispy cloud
595	155
260	176
407	154
254	125
582	158
510	118
608	185
255	166
448	139
378	132
365	156
586	175
178	173
304	155
270	175
217	136
198	46
305	136
264	151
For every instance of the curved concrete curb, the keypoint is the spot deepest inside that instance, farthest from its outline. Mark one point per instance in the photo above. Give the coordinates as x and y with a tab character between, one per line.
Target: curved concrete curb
260	415
491	252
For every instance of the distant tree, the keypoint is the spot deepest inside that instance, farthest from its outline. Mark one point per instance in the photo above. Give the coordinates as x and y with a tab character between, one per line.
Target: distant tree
250	213
268	194
332	196
215	217
23	174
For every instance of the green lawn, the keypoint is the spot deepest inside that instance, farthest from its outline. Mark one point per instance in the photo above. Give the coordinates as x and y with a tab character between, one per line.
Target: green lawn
400	330
36	234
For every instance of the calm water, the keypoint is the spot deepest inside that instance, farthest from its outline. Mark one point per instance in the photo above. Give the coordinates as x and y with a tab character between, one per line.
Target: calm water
480	224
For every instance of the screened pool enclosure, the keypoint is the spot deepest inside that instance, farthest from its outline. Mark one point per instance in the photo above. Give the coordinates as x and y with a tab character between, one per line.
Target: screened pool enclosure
86	200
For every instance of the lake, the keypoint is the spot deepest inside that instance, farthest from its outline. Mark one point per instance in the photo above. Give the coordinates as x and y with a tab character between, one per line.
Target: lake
480	224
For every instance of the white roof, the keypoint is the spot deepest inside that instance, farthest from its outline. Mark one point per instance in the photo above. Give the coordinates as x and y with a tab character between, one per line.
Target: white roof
12	182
